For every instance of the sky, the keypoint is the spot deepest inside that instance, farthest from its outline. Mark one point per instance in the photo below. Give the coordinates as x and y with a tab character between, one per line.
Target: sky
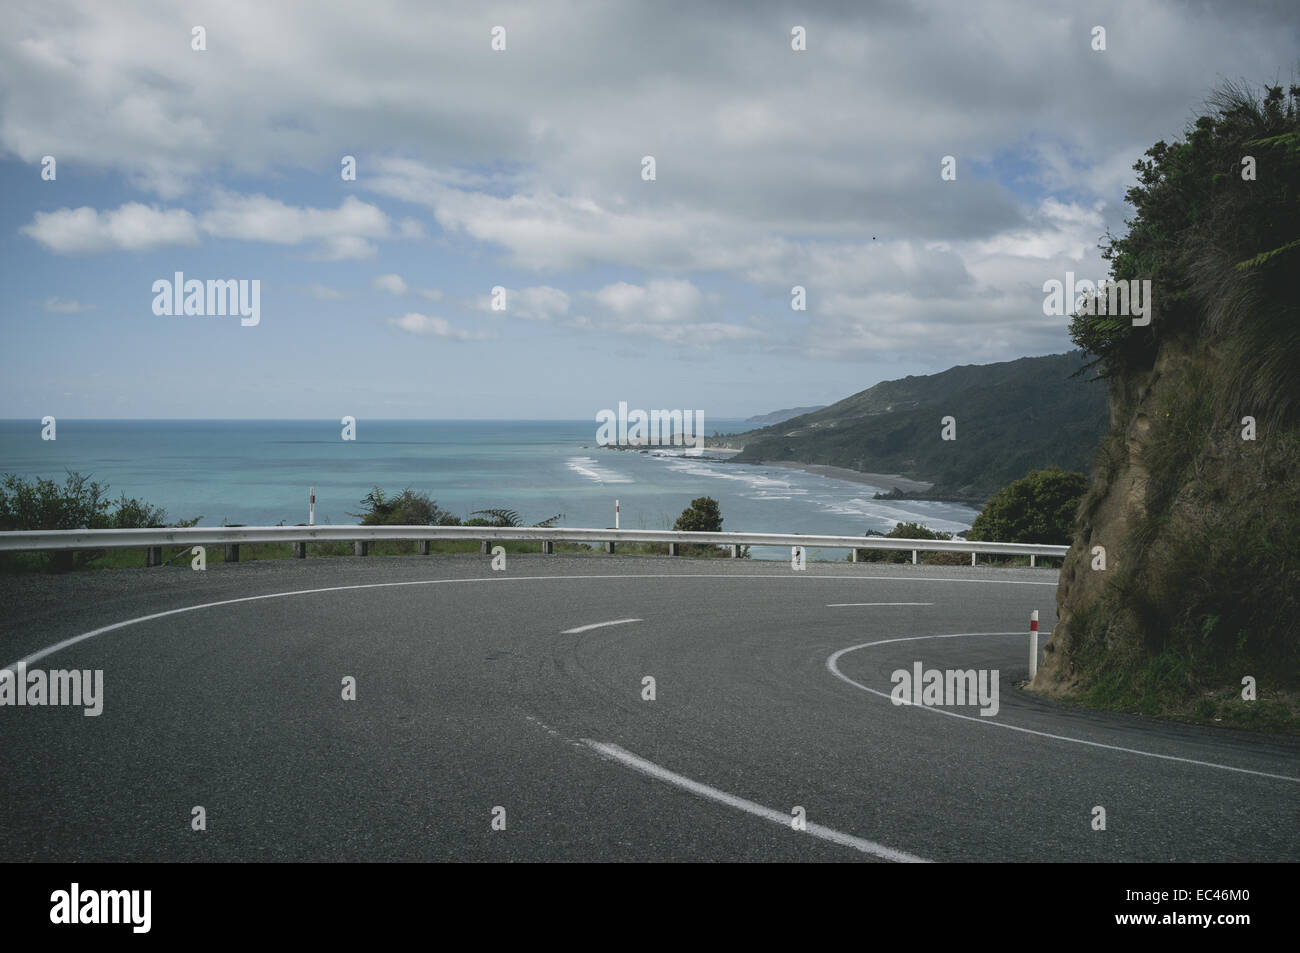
524	169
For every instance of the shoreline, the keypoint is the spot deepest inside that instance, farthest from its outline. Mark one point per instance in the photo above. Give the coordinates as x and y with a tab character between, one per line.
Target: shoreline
881	481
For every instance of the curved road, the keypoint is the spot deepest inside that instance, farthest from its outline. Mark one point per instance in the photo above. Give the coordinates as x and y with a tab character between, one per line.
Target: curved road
479	690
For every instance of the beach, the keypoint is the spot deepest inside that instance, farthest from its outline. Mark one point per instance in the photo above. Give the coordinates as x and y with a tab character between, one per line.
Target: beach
882	481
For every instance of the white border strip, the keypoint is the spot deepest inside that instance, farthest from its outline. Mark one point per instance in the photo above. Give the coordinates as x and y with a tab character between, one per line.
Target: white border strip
833	666
598	625
841	605
628	759
67	643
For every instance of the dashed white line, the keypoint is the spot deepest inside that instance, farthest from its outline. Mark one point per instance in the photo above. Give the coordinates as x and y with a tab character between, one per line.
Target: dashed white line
598	625
840	605
832	663
628	759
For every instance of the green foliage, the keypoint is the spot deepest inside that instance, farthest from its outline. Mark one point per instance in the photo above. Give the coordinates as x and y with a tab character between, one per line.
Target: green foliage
1037	508
702	516
504	517
80	503
407	508
1217	248
903	531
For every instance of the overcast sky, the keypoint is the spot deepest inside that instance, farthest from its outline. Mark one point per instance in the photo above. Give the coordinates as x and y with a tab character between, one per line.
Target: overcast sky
523	169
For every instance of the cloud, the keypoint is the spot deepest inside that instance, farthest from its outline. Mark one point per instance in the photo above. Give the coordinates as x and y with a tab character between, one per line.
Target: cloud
537	303
668	310
130	227
323	292
435	327
65	306
343	233
659	302
393	284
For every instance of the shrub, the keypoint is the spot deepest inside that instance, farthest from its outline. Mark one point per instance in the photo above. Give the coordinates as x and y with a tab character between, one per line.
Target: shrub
1038	508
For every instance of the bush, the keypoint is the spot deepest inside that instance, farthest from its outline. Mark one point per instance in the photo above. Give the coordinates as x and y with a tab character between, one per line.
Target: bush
407	508
80	503
702	516
900	531
1038	508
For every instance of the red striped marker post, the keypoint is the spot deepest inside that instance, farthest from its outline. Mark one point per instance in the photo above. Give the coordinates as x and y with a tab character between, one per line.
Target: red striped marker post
1033	644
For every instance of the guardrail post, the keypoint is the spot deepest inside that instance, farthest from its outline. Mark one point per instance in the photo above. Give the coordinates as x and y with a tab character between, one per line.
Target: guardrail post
300	550
609	545
422	547
672	549
153	556
853	555
548	547
914	557
735	550
232	552
1032	558
360	547
485	548
972	559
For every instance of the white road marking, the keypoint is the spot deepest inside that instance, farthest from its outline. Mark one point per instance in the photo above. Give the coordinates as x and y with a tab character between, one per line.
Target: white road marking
630	760
832	664
840	605
67	643
598	625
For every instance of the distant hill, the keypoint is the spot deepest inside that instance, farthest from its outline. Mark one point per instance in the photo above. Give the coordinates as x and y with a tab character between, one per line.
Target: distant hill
1012	418
778	416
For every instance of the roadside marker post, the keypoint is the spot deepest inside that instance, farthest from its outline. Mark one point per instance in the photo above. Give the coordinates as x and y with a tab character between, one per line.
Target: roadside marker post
1033	645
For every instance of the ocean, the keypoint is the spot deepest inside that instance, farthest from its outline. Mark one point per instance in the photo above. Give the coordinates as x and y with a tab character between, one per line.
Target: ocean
258	472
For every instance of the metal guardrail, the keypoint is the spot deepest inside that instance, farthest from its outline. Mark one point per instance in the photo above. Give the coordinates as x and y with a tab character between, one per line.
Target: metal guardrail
362	536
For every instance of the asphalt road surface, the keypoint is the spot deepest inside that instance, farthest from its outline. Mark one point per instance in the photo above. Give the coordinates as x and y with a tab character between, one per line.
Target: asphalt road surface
488	696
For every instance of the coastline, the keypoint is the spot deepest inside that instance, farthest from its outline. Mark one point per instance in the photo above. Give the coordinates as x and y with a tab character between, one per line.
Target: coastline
881	481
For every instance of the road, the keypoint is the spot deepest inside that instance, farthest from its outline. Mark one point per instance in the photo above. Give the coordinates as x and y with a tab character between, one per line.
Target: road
480	690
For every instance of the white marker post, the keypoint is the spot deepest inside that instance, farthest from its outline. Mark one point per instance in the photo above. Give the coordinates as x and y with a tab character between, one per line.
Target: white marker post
616	514
311	507
1033	645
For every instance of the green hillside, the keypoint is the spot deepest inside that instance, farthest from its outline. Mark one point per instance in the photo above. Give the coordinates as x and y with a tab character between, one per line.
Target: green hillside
1012	418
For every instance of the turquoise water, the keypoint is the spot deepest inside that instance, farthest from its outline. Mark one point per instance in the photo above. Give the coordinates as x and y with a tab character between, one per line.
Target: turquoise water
257	472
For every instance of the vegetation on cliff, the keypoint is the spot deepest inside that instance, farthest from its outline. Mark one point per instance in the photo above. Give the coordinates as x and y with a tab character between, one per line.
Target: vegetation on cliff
1195	498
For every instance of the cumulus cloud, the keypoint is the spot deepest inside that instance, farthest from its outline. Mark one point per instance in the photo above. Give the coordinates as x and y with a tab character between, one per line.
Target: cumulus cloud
431	326
343	233
537	303
130	227
65	306
668	310
393	284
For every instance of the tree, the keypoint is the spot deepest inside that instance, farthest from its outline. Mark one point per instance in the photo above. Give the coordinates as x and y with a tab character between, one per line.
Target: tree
1037	508
900	531
702	516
